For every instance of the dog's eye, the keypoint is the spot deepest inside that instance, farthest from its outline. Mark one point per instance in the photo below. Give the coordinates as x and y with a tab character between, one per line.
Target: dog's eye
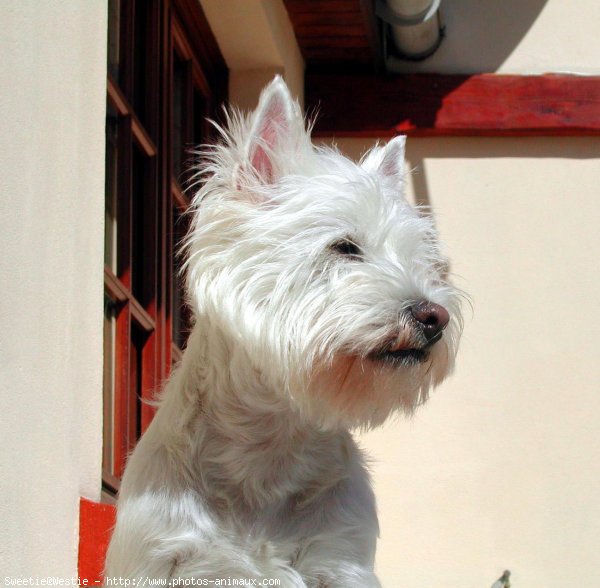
347	248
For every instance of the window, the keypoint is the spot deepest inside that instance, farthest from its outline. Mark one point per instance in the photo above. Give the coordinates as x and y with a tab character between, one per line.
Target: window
165	77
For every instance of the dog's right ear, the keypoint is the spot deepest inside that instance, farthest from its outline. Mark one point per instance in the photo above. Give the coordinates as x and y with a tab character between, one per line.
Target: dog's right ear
392	163
273	133
387	161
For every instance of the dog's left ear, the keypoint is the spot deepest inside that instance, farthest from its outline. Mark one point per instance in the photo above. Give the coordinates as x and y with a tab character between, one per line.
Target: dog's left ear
392	162
274	131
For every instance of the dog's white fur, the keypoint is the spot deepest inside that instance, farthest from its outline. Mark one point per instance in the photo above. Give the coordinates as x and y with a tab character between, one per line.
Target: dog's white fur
248	470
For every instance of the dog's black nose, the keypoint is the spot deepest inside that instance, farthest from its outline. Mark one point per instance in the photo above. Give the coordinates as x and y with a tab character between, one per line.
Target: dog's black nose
432	318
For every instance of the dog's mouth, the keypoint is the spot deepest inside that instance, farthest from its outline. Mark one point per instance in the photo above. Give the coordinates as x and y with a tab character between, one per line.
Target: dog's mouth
404	355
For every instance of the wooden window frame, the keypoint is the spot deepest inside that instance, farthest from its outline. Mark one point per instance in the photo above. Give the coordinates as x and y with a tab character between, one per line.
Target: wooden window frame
139	288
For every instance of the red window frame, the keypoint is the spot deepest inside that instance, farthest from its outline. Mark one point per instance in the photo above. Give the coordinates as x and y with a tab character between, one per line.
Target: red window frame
145	321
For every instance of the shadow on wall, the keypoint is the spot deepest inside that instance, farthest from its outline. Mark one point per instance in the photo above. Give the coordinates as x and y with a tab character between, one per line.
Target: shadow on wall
493	148
477	148
480	35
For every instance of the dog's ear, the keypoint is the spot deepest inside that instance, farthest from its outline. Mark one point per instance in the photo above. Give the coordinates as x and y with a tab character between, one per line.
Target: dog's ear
274	131
392	162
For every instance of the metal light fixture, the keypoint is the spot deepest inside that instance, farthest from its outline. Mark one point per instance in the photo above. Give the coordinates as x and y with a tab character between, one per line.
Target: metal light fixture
415	27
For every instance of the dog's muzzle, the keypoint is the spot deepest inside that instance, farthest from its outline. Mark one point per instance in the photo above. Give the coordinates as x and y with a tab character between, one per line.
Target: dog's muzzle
428	320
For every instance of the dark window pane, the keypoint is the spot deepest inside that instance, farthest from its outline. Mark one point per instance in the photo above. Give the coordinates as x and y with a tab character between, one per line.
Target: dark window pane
142	66
179	90
200	113
180	316
114	44
110	203
142	226
138	340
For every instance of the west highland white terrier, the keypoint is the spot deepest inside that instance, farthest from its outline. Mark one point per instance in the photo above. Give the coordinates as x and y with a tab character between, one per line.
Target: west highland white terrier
320	306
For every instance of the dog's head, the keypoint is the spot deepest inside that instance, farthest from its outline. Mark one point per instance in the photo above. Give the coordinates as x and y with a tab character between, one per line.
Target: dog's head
317	273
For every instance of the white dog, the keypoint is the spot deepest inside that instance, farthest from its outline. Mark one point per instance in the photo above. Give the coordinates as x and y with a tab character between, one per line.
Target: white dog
320	306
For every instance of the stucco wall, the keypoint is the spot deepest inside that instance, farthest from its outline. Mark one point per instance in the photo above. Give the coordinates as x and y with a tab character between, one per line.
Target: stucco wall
51	237
258	42
515	36
500	469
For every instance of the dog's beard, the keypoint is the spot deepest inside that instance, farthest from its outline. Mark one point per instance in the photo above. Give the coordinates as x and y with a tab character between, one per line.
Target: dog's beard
356	391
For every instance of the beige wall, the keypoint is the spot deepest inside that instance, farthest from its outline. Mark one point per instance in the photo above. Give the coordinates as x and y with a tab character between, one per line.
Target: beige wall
515	36
51	236
258	42
500	469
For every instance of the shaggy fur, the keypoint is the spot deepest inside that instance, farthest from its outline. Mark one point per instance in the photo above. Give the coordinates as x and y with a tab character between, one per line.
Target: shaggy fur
302	272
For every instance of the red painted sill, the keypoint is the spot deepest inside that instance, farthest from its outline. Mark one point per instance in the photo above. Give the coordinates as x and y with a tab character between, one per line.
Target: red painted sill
96	522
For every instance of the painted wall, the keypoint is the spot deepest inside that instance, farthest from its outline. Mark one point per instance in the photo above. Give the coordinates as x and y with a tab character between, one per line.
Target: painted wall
515	36
500	469
258	42
51	236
